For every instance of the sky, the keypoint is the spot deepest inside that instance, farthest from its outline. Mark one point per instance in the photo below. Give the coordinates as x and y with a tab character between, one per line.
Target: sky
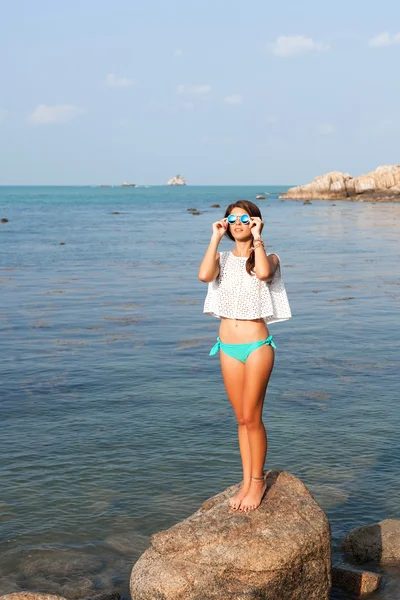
224	92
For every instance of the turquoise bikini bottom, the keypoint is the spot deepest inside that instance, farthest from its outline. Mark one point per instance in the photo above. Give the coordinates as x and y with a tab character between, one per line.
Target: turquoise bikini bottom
240	351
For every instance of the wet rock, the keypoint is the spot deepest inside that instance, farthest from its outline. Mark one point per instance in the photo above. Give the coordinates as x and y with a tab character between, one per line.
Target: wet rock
4	220
355	581
380	542
280	551
260	197
115	212
191	209
196	213
215	206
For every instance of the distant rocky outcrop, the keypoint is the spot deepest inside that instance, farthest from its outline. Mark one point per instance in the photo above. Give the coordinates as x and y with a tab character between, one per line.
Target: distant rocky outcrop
381	185
177	180
280	551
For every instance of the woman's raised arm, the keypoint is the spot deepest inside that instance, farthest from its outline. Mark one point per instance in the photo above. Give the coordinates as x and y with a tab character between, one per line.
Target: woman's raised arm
209	268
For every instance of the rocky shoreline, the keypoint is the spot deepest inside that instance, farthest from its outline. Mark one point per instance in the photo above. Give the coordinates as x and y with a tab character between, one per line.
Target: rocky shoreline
280	551
381	185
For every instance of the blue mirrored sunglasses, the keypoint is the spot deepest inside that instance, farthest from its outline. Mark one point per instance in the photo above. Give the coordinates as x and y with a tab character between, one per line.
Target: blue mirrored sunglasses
245	219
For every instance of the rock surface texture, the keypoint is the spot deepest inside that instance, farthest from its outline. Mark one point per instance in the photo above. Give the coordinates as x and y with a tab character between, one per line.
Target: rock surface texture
355	581
381	185
280	551
380	542
178	180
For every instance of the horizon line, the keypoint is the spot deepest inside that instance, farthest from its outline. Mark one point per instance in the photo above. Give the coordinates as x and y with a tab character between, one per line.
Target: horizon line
147	185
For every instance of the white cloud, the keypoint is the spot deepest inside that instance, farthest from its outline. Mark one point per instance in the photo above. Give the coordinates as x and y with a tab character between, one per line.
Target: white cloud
234	99
296	44
116	81
384	39
178	52
58	113
325	128
194	89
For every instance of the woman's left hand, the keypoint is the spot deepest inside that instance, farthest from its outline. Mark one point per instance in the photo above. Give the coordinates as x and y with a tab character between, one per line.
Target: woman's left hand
256	226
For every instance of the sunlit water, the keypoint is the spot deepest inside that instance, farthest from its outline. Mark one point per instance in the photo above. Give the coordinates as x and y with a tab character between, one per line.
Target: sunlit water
114	420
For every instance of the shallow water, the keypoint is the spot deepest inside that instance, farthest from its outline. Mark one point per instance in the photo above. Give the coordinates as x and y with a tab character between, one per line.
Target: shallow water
115	422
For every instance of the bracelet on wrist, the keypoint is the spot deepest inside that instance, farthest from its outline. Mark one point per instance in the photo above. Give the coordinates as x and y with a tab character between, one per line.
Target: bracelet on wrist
257	242
256	246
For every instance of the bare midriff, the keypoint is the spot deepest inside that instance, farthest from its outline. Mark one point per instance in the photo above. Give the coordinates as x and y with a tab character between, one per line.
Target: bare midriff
240	331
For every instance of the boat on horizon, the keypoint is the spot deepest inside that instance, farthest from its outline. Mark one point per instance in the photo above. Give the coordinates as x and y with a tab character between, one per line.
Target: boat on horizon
124	184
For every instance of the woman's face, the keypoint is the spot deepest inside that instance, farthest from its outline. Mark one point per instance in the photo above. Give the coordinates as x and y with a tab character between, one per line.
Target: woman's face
239	230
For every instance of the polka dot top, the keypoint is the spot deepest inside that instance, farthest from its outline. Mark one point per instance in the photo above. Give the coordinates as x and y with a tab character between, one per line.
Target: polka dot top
237	295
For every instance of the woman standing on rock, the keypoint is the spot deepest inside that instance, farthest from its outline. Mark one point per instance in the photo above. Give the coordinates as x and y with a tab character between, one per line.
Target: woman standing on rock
245	291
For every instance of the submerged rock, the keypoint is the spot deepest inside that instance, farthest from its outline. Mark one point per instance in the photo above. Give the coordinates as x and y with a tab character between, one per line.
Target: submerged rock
31	596
381	185
280	551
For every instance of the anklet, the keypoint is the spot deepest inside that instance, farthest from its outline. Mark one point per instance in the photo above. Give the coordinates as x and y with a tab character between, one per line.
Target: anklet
257	478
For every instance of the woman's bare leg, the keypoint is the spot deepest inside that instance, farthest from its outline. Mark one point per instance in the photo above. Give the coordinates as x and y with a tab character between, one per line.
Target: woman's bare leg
258	369
233	372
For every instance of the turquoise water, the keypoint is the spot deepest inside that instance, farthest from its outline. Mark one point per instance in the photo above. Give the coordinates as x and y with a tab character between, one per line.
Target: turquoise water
115	422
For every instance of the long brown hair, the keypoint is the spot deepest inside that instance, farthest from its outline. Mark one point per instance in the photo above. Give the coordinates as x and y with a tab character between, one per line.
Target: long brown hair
252	210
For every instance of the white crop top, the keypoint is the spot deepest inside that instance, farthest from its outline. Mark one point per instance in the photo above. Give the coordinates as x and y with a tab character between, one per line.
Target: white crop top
237	295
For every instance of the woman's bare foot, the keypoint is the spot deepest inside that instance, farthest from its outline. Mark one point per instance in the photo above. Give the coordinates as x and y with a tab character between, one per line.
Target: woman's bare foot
253	498
234	501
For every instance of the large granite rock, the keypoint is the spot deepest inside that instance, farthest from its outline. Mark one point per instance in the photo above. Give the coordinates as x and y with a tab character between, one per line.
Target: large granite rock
379	542
280	551
381	185
178	180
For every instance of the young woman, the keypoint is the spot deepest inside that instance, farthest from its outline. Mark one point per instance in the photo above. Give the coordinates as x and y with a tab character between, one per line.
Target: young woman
245	291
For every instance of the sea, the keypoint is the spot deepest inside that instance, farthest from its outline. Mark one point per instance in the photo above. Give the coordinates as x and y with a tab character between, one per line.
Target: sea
115	423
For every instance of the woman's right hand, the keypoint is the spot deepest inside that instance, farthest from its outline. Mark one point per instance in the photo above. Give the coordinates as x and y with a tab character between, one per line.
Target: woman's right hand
219	228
